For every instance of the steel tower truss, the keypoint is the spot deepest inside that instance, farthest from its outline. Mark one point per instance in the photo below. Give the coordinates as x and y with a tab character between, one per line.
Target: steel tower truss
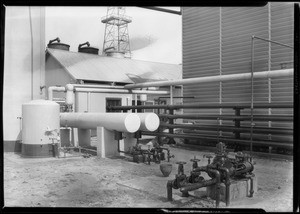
116	36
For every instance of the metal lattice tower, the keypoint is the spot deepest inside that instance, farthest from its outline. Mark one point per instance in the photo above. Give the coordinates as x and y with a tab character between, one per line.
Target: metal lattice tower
116	37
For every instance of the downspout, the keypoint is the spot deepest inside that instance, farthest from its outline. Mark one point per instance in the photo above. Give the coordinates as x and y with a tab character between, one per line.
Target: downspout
31	52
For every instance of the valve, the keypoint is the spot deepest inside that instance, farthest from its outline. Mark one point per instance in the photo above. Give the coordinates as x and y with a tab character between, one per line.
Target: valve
195	162
208	157
180	167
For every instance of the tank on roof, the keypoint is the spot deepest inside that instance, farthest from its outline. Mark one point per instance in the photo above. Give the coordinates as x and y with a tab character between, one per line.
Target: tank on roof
87	48
55	44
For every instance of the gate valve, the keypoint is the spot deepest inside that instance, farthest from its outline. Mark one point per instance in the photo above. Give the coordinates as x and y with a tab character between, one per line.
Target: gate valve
180	167
195	162
208	157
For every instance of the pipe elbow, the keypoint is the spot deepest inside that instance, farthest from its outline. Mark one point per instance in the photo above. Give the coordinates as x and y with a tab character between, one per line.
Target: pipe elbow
200	169
217	174
69	87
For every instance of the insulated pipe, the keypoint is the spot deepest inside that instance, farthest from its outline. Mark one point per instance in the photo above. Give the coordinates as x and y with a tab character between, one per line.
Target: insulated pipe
121	91
69	94
122	122
149	121
54	88
96	86
219	78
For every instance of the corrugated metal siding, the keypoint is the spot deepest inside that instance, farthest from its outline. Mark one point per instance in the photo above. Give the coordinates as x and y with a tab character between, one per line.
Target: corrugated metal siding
282	27
217	43
201	53
93	67
238	25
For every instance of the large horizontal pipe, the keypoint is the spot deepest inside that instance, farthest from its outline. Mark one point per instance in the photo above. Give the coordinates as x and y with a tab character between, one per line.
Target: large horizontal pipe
199	137
260	130
120	91
207	105
218	78
123	122
230	117
149	121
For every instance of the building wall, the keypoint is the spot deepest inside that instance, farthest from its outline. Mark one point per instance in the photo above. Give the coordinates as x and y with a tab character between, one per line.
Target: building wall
56	76
217	41
21	65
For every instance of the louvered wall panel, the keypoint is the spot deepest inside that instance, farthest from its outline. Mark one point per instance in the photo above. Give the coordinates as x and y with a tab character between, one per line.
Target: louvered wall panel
206	49
282	30
237	28
201	51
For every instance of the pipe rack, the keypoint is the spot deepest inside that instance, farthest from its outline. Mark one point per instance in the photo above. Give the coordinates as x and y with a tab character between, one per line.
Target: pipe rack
200	137
236	118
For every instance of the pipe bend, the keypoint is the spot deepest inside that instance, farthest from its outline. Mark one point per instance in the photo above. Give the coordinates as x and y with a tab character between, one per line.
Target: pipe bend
200	169
226	170
217	174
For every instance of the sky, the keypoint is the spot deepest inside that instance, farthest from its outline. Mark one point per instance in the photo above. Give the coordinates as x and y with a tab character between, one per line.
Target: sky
154	36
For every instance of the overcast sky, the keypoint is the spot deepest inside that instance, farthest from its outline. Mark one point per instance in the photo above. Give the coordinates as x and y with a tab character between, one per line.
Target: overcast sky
160	32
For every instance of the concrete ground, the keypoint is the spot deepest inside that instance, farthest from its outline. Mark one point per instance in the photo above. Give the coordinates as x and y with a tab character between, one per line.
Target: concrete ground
118	182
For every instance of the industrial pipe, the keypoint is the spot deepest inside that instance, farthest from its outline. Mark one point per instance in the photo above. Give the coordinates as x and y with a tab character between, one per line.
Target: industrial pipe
208	105
123	122
197	137
194	186
149	121
227	184
218	78
230	117
121	91
261	130
54	88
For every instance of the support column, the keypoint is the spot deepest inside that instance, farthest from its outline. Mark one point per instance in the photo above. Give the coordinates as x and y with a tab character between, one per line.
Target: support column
106	143
129	141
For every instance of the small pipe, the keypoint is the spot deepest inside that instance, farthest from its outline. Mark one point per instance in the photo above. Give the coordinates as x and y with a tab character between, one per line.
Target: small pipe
252	96
251	187
121	91
227	184
53	40
55	88
86	43
208	105
194	186
272	41
169	190
189	136
164	10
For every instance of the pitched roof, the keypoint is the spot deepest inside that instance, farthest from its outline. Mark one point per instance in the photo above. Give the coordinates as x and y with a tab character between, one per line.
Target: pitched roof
83	66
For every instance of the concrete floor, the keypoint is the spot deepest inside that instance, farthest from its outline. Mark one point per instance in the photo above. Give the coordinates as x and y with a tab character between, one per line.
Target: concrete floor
118	182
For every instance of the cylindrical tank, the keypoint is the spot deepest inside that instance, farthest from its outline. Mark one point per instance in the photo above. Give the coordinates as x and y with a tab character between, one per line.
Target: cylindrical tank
90	50
40	123
60	46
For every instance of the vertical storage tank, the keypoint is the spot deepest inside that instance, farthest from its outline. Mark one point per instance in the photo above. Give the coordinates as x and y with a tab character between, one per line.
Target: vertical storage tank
40	120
